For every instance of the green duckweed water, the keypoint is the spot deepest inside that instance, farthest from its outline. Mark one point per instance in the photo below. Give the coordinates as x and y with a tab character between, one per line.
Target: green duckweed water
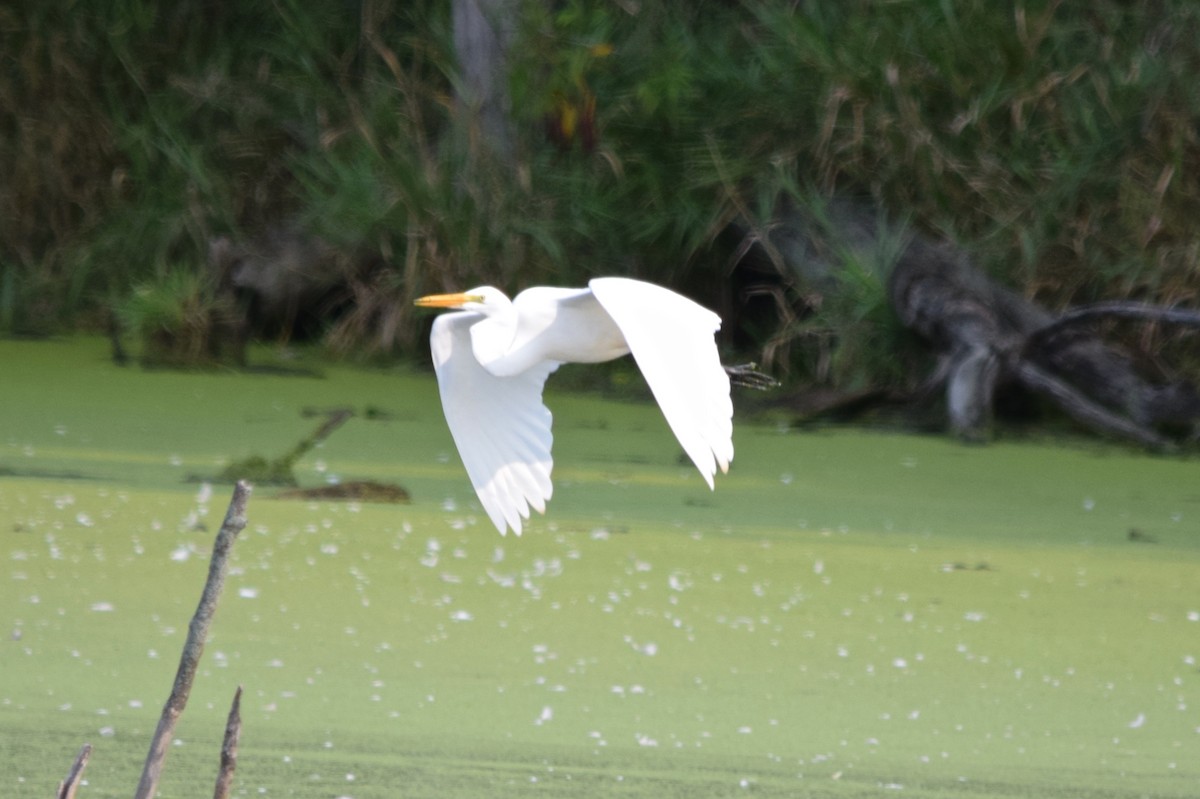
849	614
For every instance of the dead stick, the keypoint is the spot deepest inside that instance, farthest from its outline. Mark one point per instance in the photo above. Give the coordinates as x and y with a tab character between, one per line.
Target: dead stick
67	788
233	732
193	647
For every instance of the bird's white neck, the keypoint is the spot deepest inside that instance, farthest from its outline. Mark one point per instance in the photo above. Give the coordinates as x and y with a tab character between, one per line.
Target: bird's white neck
492	341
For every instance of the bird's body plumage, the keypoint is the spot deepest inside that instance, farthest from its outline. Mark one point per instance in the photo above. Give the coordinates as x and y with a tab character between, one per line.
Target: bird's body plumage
492	359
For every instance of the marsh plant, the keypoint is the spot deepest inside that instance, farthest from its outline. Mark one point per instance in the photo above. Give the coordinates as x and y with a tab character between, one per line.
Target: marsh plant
179	320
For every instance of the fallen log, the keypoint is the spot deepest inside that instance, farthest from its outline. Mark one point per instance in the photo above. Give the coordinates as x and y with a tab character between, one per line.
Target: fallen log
988	337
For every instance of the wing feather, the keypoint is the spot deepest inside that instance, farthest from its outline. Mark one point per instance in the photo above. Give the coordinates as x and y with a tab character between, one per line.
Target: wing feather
500	424
671	338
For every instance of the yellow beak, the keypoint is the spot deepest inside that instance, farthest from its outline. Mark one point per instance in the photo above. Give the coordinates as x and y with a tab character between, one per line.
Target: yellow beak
447	300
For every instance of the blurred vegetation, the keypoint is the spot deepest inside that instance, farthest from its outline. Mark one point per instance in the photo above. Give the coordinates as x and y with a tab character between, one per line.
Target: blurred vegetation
1057	142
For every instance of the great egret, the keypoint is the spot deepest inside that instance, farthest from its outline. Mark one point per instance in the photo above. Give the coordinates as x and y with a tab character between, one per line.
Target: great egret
492	360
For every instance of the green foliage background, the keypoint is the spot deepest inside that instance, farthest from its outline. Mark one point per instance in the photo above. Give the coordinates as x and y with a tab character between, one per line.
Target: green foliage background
1057	142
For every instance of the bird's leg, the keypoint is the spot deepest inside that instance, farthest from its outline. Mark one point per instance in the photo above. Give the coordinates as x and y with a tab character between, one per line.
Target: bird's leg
746	376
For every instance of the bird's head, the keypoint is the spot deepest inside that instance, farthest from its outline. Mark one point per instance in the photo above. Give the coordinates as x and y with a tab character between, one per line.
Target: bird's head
476	299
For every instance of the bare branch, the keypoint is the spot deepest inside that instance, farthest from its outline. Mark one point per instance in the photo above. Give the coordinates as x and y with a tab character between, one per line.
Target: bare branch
67	788
193	648
1117	310
229	748
1079	406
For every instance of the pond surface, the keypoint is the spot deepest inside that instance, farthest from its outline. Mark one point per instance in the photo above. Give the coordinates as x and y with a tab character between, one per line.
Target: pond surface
850	613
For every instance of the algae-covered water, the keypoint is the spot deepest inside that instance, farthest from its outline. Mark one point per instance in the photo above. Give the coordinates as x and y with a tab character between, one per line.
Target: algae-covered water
851	613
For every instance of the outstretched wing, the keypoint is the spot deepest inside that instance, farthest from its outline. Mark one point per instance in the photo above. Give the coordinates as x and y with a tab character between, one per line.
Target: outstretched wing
671	338
499	424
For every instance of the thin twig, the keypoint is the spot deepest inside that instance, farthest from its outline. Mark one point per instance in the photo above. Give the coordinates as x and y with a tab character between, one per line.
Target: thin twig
193	647
229	748
67	788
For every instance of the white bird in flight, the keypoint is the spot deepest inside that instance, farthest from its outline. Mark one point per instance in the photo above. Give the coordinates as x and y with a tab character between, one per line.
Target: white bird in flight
493	357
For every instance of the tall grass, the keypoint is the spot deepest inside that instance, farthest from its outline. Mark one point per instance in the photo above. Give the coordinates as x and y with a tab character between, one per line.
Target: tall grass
1058	142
